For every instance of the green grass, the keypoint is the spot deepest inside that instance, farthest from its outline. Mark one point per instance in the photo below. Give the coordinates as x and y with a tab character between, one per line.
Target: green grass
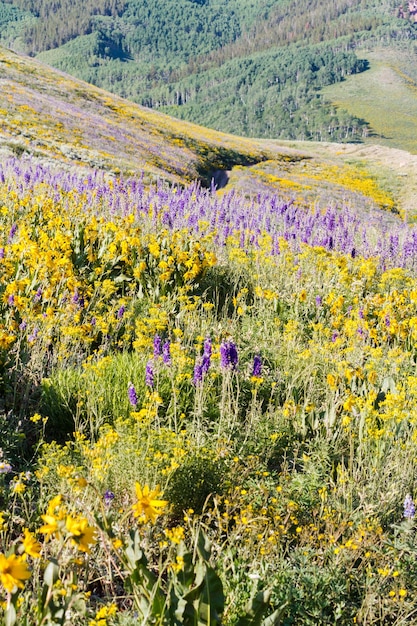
383	97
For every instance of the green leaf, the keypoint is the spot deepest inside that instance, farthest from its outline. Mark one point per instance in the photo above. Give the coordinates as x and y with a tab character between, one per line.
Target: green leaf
51	573
10	615
211	605
255	610
203	546
275	618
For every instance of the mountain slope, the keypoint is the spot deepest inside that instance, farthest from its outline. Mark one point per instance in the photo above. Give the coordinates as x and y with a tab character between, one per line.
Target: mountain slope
252	67
49	115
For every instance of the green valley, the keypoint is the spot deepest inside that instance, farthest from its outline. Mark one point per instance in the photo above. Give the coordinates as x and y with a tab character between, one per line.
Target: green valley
255	68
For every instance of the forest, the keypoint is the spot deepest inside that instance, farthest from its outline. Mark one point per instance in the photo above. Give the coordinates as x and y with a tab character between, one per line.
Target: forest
251	67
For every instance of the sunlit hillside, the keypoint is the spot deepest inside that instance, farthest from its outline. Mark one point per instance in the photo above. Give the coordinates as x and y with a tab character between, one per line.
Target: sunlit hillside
208	384
51	115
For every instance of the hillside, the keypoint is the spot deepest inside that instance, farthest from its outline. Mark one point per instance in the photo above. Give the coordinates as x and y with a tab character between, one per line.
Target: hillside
208	348
249	67
51	115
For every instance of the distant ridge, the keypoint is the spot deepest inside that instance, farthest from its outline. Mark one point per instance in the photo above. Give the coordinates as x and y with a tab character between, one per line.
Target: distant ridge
253	68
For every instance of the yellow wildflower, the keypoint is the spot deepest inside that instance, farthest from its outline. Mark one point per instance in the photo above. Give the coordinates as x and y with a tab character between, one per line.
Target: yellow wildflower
50	527
82	533
13	571
31	546
148	506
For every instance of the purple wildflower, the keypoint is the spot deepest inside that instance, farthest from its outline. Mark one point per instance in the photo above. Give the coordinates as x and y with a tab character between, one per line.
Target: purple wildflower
198	372
257	366
157	346
334	336
205	364
149	375
409	507
208	348
12	232
75	297
1	253
23	325
121	312
34	334
38	295
131	392
108	497
318	300
10	300
387	321
166	353
228	355
206	360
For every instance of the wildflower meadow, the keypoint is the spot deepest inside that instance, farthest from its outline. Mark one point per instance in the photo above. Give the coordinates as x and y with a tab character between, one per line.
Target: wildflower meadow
208	406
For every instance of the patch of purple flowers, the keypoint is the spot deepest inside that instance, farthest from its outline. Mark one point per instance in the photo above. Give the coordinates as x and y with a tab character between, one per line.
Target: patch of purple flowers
121	312
149	374
108	497
198	371
228	355
132	395
257	366
166	353
12	233
157	346
409	507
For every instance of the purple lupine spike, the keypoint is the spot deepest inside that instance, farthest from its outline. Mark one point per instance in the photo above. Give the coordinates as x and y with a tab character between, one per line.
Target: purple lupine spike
12	233
224	355
121	312
318	300
1	253
198	372
206	359
34	334
108	498
233	356
208	348
38	295
149	374
166	353
257	366
409	507
205	363
10	300
157	346
131	392
228	355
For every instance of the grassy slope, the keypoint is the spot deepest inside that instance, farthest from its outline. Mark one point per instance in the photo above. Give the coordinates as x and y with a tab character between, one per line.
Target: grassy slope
49	114
384	97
